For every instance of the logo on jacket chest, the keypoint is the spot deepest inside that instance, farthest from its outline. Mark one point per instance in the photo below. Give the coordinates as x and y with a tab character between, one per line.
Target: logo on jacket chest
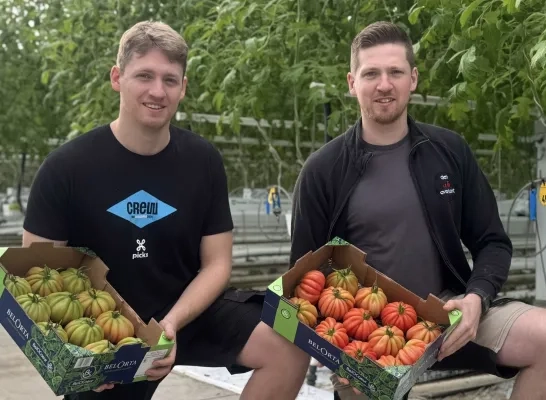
445	185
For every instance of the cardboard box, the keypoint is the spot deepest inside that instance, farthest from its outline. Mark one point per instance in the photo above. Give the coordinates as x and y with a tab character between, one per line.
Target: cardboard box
67	368
378	383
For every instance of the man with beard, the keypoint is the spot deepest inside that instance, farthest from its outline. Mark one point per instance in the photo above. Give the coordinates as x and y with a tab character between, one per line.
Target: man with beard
407	194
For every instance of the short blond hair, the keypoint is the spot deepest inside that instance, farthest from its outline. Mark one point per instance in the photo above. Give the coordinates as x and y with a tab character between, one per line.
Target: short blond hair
145	35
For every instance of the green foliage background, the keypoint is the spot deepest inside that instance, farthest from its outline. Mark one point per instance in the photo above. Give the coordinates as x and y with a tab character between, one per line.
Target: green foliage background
256	59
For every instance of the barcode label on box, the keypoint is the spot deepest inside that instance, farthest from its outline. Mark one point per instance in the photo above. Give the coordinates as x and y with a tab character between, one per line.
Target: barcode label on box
83	362
148	360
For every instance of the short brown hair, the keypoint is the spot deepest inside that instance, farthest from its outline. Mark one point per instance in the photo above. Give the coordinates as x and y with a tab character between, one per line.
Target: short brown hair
145	35
380	33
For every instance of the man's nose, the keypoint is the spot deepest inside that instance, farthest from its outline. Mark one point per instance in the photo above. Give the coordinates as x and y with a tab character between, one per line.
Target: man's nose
157	88
385	83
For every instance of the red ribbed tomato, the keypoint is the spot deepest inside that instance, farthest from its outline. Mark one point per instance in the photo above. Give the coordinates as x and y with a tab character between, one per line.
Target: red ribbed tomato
387	340
335	302
358	350
307	313
310	286
388	361
411	352
425	330
333	332
359	323
371	298
399	314
343	278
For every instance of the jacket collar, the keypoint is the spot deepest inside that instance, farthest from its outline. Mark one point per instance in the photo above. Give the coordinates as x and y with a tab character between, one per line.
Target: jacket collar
354	133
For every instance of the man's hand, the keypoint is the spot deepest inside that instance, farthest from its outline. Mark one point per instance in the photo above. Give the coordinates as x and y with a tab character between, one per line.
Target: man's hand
162	368
343	381
471	308
106	386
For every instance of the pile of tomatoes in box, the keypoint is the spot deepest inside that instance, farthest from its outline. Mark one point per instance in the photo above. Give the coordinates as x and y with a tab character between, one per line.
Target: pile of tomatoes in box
362	321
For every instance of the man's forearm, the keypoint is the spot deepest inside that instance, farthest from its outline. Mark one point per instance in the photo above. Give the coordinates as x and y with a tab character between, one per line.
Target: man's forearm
200	294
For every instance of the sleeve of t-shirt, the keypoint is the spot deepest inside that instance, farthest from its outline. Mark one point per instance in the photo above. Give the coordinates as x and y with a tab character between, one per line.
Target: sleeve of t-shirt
218	218
47	208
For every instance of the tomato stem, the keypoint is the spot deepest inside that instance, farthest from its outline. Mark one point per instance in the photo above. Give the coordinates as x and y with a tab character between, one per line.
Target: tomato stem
389	332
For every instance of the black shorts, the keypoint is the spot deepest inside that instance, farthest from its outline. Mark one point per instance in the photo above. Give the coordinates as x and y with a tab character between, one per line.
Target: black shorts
214	339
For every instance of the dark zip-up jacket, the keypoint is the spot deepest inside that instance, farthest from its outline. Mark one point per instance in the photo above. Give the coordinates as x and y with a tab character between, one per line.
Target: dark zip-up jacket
456	197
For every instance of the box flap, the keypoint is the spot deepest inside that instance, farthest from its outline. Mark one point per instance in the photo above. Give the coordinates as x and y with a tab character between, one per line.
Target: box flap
18	260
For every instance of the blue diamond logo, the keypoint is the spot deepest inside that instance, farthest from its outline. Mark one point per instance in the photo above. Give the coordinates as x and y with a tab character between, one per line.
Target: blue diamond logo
141	209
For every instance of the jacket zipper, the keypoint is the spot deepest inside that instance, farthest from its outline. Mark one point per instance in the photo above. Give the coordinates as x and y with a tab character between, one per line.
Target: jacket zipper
340	209
432	233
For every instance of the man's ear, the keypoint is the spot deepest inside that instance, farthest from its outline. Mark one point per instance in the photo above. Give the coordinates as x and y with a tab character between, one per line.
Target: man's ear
351	83
414	79
184	86
115	75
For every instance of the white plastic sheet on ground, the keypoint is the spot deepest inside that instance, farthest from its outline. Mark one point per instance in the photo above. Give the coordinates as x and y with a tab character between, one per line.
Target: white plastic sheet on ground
221	378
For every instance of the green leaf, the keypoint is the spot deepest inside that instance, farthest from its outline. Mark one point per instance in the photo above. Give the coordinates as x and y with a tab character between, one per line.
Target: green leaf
457	92
414	15
537	54
467	61
457	55
251	9
435	67
204	96
511	5
467	13
236	121
45	77
492	17
457	42
217	100
230	77
459	111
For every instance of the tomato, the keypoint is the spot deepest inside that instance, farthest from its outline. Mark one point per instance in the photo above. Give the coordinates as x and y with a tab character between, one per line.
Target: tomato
386	340
358	350
371	298
399	314
359	323
335	302
310	286
388	361
411	352
333	332
343	278
425	330
307	313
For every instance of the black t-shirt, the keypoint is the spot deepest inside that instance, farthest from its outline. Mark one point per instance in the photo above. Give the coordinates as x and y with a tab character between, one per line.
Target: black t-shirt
144	216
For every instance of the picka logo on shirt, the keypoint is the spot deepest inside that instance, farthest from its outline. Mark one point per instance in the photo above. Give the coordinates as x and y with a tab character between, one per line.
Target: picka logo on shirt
140	249
141	209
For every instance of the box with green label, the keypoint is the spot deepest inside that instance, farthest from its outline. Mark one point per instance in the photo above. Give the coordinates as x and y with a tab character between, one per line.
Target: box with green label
356	321
73	326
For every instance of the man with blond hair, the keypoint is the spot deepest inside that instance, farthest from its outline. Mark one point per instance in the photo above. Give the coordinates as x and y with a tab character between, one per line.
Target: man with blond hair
151	200
407	194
